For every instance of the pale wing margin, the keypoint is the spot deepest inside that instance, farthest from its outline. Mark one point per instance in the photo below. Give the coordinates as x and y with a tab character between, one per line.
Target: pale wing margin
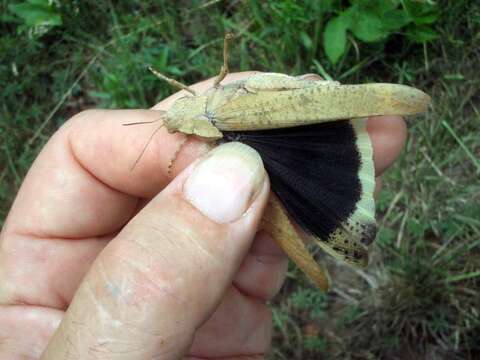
316	104
351	239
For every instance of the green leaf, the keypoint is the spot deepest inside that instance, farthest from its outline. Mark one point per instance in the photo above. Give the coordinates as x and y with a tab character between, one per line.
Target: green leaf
8	18
386	237
36	14
321	7
306	41
368	27
455	76
395	19
426	19
325	5
376	6
335	38
421	13
421	34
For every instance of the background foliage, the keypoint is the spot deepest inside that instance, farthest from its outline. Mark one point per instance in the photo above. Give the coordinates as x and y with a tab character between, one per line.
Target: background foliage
420	297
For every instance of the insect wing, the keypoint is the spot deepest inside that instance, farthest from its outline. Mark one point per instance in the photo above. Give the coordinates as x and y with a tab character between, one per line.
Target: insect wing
316	104
323	174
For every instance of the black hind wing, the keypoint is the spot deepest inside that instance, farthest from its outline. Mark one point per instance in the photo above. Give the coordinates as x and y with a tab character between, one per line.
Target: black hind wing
324	176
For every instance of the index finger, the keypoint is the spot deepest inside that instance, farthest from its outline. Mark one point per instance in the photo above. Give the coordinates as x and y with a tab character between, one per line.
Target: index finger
78	194
101	135
82	183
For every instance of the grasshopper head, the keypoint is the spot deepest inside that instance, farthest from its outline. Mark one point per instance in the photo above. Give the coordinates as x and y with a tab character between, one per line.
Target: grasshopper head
187	115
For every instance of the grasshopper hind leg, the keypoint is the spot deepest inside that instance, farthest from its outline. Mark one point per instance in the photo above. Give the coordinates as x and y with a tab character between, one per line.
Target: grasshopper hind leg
224	68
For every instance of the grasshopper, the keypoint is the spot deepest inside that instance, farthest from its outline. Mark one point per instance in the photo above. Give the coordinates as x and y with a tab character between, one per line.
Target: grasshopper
312	138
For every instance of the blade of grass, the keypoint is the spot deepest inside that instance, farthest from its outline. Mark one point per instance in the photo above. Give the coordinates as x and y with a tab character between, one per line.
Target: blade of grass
467	151
461	277
64	97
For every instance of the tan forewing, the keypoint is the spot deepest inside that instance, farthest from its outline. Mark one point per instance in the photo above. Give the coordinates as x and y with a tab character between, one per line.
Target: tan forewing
316	104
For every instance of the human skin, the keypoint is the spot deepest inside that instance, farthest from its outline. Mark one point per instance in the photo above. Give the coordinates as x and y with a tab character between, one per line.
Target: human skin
98	261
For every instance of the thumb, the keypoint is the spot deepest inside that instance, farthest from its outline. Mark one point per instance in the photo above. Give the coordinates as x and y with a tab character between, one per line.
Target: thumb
167	270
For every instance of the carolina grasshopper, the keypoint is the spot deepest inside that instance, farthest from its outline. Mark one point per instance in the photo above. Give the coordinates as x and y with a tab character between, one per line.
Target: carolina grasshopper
341	222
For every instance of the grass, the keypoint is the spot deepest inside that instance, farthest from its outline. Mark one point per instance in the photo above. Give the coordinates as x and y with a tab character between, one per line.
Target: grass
420	297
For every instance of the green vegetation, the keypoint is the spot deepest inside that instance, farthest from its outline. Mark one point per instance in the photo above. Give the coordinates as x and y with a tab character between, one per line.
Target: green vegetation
420	298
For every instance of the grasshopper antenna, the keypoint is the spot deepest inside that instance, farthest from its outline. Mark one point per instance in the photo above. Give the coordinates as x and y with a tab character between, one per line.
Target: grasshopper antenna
145	147
224	68
173	82
148	141
140	122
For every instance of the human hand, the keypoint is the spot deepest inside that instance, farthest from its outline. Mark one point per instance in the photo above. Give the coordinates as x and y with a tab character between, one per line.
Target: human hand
99	261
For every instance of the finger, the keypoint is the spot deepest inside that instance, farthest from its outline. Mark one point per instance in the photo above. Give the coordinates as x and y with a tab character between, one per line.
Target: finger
263	270
152	172
44	272
166	272
240	325
81	187
90	158
388	135
17	321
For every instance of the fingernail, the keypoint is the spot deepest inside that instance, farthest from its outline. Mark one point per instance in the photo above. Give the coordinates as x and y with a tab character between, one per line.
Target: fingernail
224	184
